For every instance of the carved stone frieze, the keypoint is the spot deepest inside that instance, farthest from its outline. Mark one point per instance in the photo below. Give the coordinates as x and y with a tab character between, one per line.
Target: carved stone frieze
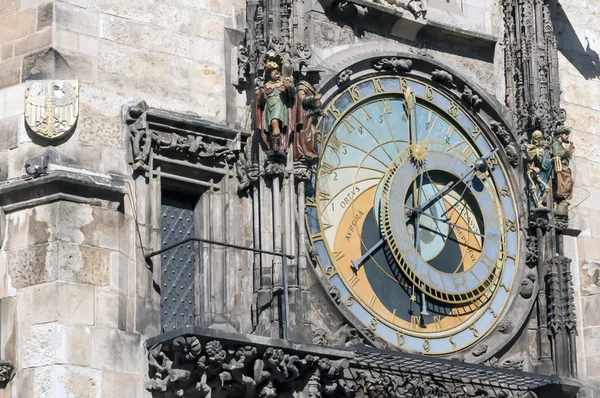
344	77
443	77
510	147
393	64
180	145
274	30
470	98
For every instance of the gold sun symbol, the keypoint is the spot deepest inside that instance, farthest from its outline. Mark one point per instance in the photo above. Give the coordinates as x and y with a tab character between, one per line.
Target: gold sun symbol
418	153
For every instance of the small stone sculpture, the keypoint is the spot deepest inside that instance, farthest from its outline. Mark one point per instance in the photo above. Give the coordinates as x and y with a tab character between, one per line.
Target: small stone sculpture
538	170
562	151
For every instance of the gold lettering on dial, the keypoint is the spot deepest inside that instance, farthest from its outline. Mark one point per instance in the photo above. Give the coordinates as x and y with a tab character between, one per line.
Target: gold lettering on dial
426	345
330	272
354	93
373	324
354	279
387	106
335	143
452	342
372	300
400	338
338	255
378	86
437	320
415	322
349	301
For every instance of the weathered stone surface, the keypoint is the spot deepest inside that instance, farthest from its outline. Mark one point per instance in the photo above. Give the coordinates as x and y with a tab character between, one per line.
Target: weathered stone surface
76	304
143	65
9	131
45	64
83	264
119	273
101	101
140	11
7	51
45	14
223	7
88	45
8	6
10	72
37	345
109	229
37	304
115	384
17	25
72	381
592	341
116	29
65	39
147	318
12	108
75	19
116	350
8	337
73	344
31	227
590	313
33	265
114	161
590	277
98	131
33	42
111	310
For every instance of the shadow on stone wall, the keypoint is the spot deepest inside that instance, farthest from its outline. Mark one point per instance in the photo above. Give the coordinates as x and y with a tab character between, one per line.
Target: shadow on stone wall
584	59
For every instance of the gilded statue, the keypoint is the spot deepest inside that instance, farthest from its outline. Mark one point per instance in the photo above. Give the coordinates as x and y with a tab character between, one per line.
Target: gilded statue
562	152
539	168
276	110
308	106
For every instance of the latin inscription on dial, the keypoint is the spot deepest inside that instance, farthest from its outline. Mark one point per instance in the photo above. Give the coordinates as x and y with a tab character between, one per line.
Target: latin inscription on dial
412	216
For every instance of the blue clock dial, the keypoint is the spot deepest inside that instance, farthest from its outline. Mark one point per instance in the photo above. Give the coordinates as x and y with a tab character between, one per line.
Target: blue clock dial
412	216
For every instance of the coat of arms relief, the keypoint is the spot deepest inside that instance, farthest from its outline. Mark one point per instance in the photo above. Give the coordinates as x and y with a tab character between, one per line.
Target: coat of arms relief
51	107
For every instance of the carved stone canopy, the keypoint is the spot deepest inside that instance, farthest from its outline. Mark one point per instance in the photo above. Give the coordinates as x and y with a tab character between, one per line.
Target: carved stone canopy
188	149
194	361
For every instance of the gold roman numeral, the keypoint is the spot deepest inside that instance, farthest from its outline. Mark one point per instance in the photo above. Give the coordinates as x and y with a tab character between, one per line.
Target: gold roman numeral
505	192
327	168
387	106
338	255
372	300
415	322
348	125
367	114
334	142
437	320
378	86
510	225
354	279
354	93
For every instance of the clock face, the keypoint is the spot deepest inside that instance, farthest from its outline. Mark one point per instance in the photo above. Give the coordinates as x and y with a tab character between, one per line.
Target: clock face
413	217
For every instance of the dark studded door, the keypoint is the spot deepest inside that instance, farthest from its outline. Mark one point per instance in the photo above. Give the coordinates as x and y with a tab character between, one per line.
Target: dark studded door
178	278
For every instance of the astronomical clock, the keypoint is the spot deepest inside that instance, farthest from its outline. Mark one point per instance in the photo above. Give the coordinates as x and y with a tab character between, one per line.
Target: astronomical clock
412	214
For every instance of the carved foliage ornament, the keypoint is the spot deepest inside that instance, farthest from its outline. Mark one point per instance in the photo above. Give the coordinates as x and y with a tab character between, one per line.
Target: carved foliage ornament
194	147
51	107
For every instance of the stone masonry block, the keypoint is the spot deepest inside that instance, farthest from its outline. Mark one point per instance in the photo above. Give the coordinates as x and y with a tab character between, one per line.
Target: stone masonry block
111	310
16	25
37	304
76	304
8	337
37	345
116	350
83	264
109	229
592	341
99	131
119	273
118	385
9	131
33	265
10	72
144	65
74	345
139	11
9	6
75	19
36	41
44	15
80	382
590	314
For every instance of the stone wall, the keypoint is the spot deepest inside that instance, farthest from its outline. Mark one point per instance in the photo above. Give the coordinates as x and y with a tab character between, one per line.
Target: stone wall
461	35
579	40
